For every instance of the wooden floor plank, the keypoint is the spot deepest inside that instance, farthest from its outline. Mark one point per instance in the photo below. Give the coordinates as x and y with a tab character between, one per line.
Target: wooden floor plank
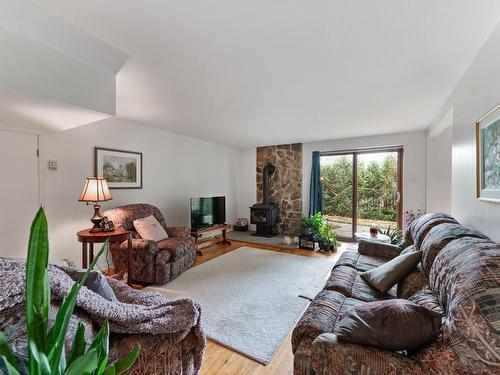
220	360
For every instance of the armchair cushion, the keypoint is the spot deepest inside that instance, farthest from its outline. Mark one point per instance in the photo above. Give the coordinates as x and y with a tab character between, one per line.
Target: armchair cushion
150	229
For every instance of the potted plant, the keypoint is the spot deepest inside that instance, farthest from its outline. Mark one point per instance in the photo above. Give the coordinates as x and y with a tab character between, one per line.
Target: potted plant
395	235
328	239
311	225
46	352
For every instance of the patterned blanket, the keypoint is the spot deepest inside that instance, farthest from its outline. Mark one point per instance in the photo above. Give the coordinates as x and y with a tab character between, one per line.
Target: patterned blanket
136	312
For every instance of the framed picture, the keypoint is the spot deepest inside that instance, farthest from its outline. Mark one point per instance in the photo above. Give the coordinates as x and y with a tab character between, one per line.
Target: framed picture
121	169
488	156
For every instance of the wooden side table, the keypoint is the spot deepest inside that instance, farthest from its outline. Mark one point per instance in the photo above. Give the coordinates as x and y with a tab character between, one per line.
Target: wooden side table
88	239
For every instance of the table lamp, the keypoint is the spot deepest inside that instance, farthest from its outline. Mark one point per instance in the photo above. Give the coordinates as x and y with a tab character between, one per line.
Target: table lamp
95	190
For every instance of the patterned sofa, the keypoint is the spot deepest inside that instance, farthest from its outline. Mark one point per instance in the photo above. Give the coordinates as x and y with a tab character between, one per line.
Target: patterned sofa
153	263
459	276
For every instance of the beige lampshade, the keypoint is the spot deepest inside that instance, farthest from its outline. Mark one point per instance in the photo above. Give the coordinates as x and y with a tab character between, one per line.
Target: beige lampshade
95	190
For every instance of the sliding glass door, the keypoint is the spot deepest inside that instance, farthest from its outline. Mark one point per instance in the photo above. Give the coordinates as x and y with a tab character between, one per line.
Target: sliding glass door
362	187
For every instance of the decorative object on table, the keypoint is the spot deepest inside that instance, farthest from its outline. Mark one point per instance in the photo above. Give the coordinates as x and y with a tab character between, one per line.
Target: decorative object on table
89	238
366	236
47	347
374	229
121	169
241	225
395	234
488	156
410	216
95	191
107	225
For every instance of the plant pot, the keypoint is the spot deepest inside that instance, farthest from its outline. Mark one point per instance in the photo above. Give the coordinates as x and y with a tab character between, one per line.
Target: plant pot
327	247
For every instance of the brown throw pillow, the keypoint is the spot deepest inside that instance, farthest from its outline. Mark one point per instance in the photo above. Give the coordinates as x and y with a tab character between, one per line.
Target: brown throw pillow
389	274
395	324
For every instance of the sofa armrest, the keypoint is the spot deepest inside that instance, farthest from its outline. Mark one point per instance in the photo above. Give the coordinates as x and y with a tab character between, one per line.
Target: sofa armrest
176	232
331	355
377	249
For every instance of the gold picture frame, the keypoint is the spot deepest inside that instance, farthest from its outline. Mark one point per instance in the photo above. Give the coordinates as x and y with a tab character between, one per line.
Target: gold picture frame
488	156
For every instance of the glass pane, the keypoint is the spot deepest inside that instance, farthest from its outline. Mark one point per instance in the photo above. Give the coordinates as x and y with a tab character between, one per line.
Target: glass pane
336	174
377	190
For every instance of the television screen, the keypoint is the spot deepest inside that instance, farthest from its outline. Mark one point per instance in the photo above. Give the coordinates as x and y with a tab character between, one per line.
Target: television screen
206	212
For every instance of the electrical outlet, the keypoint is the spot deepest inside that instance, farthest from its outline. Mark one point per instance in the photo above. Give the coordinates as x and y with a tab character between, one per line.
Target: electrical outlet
52	164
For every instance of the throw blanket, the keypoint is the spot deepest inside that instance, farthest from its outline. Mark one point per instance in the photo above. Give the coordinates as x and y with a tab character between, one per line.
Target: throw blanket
136	313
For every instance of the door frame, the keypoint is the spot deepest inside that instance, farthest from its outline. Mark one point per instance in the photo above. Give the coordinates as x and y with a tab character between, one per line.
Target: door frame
370	150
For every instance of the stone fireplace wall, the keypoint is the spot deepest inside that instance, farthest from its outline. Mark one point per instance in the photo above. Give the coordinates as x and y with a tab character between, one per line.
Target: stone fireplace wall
285	184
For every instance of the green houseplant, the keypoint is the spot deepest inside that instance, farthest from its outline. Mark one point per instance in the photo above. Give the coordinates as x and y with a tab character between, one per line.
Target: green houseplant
396	235
328	239
311	225
46	349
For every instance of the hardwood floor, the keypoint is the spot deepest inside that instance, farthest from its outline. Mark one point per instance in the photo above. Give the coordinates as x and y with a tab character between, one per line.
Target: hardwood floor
220	360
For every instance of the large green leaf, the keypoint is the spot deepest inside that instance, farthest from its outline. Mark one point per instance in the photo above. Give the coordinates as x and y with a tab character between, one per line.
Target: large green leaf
83	365
101	344
79	344
40	360
36	284
6	354
58	331
123	364
11	370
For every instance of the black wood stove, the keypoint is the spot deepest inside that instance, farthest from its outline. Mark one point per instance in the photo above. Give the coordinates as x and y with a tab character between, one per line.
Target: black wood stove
266	214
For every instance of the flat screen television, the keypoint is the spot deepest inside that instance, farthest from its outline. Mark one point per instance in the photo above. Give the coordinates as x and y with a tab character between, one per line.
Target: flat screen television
207	211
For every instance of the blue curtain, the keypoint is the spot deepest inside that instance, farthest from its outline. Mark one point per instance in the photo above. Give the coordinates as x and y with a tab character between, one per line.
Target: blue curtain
316	191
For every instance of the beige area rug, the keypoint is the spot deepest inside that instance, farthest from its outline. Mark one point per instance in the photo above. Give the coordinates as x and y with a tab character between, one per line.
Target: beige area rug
250	297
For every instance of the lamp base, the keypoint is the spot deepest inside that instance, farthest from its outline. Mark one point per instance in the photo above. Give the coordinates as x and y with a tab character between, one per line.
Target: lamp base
96	219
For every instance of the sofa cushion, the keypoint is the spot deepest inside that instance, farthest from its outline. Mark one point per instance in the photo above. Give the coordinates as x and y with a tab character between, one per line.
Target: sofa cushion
96	282
347	280
422	225
321	315
439	236
390	273
358	261
428	299
413	282
393	325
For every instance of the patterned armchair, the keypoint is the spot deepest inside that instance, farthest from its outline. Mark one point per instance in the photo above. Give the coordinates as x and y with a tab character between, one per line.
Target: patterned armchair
153	262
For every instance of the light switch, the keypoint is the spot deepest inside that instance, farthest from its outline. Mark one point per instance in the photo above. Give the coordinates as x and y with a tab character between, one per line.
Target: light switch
52	164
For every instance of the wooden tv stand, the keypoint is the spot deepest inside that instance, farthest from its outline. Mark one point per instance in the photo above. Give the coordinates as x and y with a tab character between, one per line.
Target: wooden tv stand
205	237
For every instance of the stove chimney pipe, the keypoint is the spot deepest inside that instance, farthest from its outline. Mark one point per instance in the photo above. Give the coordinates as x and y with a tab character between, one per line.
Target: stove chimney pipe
266	174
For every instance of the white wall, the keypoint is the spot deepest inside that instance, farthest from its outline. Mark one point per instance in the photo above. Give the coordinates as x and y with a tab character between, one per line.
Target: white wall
439	145
477	92
413	163
247	182
174	169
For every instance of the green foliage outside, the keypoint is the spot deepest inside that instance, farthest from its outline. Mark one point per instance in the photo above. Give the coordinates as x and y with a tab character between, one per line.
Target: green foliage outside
46	349
377	187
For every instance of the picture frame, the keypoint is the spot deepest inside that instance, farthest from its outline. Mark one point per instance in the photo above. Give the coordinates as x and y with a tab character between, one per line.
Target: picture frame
121	169
488	156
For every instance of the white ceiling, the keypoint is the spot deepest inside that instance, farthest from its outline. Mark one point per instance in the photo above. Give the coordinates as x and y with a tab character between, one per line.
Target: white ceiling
248	73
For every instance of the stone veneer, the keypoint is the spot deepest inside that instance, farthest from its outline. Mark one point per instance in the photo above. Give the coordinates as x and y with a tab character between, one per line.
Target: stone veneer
285	184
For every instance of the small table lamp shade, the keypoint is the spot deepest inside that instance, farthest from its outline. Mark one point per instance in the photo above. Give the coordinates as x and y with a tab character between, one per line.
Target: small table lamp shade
95	190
